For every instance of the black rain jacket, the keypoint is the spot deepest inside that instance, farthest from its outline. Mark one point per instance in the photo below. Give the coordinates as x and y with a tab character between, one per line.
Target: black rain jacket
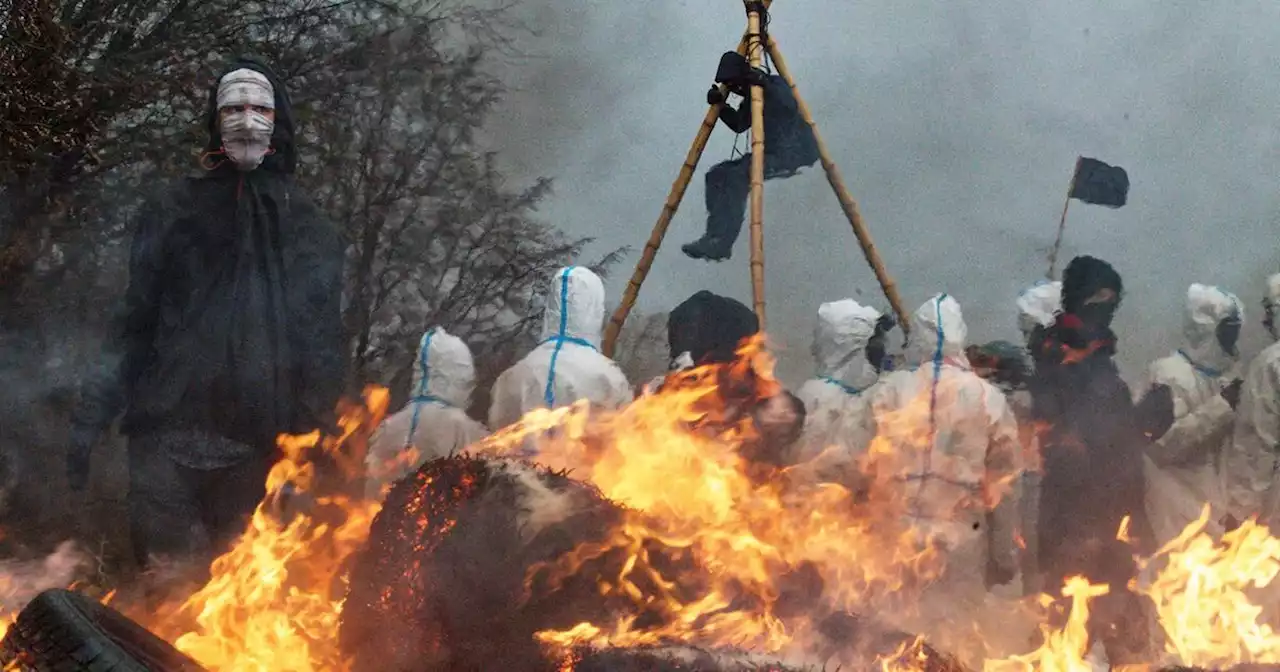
232	318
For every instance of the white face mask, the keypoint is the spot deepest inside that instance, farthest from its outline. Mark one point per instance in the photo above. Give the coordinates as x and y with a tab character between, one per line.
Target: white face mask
246	134
246	137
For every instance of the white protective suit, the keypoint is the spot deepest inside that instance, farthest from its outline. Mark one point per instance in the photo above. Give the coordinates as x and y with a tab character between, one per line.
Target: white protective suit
1181	466
1038	307
954	443
434	423
567	365
843	376
1248	466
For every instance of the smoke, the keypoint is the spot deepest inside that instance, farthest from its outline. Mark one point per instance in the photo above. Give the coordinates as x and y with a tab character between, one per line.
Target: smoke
22	580
955	126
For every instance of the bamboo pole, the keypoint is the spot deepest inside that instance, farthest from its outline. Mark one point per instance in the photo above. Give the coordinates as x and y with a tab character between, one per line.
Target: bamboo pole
847	203
674	197
1062	224
755	53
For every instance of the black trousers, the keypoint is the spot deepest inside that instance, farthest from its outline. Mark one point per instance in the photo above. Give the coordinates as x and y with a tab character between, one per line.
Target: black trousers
728	185
176	511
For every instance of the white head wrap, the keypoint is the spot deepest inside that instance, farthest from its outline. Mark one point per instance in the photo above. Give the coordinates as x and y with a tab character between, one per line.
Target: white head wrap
246	87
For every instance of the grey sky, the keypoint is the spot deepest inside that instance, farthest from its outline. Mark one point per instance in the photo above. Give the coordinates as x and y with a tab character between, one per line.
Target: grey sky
956	125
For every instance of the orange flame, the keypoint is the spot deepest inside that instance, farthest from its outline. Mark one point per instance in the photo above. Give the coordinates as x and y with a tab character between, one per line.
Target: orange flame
274	600
1209	595
685	463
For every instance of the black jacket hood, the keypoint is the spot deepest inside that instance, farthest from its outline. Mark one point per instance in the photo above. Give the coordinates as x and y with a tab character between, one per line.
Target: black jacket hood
709	327
283	157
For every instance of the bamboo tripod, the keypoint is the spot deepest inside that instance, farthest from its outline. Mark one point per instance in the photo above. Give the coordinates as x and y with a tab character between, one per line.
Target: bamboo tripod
753	45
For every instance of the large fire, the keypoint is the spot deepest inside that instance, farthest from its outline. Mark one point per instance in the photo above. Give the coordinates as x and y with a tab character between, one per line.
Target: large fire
778	548
676	459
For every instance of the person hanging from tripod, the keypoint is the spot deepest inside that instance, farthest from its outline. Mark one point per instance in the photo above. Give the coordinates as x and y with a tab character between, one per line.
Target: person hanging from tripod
789	146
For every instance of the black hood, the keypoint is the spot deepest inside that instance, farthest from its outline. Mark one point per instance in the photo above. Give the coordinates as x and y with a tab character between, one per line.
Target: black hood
283	157
709	327
1083	278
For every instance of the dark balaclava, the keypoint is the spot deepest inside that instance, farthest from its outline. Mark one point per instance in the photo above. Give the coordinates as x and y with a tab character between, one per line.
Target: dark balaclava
877	347
1092	291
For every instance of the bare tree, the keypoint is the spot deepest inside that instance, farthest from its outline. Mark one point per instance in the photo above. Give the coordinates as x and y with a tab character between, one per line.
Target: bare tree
642	348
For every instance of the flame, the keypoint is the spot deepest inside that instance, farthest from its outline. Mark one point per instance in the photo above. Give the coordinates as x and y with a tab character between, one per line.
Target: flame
1208	595
774	549
1063	650
686	461
1122	533
274	600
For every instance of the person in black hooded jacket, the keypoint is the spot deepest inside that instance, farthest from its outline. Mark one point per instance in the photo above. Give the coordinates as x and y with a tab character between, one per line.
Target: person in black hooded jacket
230	333
708	329
1094	438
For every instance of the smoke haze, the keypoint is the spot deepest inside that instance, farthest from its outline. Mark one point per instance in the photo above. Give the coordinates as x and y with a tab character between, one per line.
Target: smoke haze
956	126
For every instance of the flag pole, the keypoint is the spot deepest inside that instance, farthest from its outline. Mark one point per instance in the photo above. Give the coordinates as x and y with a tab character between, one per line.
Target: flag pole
1062	224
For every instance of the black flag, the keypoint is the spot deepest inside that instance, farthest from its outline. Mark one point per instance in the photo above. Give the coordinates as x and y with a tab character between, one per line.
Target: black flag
1100	184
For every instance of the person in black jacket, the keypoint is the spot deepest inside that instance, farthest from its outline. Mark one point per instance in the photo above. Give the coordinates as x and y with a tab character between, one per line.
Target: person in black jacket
1092	447
789	145
230	333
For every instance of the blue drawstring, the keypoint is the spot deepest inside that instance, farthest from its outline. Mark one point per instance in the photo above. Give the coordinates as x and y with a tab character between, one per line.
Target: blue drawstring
549	394
848	389
422	396
1212	373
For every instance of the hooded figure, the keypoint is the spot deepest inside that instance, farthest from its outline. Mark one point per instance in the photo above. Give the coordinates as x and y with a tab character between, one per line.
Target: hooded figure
846	368
957	480
1248	465
567	365
1038	308
1092	449
230	333
790	146
1181	466
434	423
707	329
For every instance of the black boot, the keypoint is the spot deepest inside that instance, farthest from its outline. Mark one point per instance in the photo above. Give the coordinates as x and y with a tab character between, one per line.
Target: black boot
727	188
710	248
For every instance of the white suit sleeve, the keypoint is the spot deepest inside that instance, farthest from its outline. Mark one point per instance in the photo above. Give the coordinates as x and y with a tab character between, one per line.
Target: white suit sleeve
504	401
1195	431
1263	408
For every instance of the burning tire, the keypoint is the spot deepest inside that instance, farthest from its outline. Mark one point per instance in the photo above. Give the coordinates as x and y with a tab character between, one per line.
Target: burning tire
66	632
442	581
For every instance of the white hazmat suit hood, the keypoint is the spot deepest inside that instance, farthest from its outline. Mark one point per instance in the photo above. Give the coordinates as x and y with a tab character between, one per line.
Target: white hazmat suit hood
938	333
1181	466
840	352
1038	306
1249	466
434	423
1207	307
840	339
567	365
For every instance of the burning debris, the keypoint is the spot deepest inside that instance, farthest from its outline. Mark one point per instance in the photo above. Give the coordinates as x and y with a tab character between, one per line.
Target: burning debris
650	540
459	571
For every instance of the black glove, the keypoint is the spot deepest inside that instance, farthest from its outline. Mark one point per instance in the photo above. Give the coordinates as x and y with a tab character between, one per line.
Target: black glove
1232	393
714	97
78	458
1155	411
